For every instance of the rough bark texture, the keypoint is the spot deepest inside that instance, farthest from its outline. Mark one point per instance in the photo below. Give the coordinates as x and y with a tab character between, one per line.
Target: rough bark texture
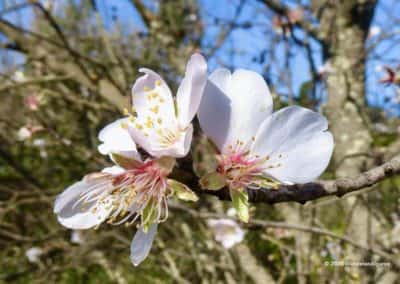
302	193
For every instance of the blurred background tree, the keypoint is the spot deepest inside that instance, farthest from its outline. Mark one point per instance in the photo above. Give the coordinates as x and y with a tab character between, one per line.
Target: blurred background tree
67	67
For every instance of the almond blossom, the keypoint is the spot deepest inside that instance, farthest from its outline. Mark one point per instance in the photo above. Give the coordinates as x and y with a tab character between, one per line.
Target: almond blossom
258	148
136	189
226	231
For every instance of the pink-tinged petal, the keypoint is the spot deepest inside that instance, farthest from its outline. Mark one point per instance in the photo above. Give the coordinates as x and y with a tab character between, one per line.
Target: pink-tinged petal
116	140
141	244
191	89
74	213
297	143
233	107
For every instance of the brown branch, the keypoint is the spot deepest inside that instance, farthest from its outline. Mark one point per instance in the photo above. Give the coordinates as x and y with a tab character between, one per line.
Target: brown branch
33	81
144	13
58	59
283	10
310	191
254	223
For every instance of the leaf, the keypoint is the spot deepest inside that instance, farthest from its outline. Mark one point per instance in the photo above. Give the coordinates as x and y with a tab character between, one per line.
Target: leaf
240	201
182	191
213	181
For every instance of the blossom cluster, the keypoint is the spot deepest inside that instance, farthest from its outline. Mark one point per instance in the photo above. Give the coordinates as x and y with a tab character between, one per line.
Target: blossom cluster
255	148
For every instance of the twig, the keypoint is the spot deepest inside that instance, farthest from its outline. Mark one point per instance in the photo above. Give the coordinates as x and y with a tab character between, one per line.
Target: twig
314	190
282	225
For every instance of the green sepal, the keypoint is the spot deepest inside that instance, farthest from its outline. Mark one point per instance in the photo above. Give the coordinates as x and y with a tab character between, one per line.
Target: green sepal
149	215
182	191
213	181
240	201
124	162
167	163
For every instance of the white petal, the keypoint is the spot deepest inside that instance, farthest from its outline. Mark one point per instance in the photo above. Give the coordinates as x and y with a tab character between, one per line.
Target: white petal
251	105
79	215
233	107
33	254
117	140
150	91
141	244
178	149
155	109
298	140
114	170
191	89
215	107
152	144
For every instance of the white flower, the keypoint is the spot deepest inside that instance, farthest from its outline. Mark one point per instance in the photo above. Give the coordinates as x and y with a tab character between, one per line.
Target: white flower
19	76
137	189
379	68
33	254
374	31
24	133
259	148
325	69
39	142
231	212
226	231
77	237
155	124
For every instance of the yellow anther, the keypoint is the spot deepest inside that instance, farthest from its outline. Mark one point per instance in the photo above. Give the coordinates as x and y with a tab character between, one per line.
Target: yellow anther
146	89
126	111
154	109
162	100
158	82
124	125
149	122
139	126
159	120
132	118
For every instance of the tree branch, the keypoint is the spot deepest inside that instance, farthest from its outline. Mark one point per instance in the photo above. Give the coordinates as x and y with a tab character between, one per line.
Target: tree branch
144	13
282	10
310	191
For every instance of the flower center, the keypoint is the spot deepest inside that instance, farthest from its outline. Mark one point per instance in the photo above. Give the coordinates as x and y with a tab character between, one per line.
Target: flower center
168	137
132	192
243	170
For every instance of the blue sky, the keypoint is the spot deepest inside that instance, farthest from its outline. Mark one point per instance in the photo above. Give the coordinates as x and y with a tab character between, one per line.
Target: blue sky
248	43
